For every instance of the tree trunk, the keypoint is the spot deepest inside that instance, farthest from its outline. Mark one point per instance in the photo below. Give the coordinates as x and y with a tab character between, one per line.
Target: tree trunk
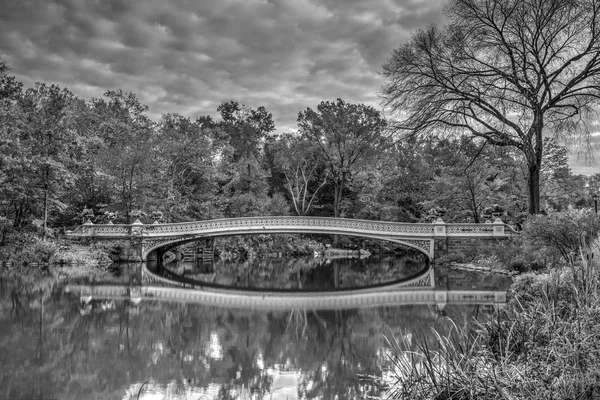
534	163
337	199
533	186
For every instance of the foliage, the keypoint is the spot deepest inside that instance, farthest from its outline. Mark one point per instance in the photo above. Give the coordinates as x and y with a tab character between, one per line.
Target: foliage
245	128
248	247
546	241
65	159
470	176
124	160
32	249
301	163
81	255
348	135
185	169
561	232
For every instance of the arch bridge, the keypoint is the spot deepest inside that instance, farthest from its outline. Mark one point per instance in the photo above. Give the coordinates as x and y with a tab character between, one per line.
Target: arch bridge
138	241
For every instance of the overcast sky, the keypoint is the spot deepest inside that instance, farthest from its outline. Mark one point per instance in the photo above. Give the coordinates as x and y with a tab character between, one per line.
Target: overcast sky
188	56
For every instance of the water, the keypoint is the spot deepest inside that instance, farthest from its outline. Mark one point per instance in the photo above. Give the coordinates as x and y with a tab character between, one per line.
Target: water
304	273
53	345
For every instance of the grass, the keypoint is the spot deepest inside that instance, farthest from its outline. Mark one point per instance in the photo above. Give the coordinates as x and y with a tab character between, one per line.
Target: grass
545	344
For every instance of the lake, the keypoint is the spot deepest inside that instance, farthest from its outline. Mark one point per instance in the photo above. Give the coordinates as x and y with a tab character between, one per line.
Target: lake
64	345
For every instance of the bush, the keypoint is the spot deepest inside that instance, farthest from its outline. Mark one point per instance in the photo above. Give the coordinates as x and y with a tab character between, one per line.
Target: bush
559	234
83	255
30	249
551	240
518	265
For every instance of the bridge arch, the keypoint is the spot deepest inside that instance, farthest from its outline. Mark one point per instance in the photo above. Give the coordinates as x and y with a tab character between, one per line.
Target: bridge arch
423	245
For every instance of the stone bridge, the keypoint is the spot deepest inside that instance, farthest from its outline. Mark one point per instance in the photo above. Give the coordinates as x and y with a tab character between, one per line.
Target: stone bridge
142	242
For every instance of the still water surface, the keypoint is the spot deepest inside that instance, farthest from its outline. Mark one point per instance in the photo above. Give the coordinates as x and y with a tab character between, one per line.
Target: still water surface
53	345
304	273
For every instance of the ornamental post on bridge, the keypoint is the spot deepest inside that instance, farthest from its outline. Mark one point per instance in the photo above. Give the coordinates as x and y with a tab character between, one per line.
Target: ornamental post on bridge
498	228
439	245
136	240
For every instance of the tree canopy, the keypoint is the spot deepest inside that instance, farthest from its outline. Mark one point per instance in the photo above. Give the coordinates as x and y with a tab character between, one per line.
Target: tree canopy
510	71
64	159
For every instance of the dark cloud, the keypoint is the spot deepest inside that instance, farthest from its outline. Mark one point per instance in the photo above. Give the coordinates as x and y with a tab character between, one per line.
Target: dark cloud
188	56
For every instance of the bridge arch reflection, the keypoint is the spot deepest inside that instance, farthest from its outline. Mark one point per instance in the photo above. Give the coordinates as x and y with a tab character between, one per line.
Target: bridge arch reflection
403	293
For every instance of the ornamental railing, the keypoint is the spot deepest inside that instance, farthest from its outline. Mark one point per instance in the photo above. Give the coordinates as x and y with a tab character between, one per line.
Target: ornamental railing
294	224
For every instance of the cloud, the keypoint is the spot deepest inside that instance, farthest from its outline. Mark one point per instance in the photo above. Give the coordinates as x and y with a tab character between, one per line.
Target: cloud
188	57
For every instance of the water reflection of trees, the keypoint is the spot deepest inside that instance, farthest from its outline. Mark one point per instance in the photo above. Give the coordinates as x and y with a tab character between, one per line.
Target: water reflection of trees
49	347
305	273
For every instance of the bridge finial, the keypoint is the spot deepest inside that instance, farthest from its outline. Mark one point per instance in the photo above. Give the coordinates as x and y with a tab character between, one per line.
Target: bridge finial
88	222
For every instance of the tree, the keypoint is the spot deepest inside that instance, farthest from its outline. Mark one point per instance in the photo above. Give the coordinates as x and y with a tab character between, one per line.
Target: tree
51	144
245	128
125	159
185	159
347	135
509	71
12	161
301	163
471	176
558	187
240	135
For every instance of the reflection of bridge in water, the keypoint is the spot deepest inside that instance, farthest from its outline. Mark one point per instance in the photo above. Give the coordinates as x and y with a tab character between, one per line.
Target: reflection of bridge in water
418	291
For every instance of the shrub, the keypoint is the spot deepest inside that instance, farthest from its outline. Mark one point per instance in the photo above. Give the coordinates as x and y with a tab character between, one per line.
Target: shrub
34	250
518	265
559	233
83	255
491	254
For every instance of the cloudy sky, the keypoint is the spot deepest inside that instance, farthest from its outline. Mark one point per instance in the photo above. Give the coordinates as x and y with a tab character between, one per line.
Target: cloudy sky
188	56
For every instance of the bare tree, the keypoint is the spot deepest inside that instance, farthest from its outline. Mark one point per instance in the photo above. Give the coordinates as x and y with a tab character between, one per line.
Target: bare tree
510	71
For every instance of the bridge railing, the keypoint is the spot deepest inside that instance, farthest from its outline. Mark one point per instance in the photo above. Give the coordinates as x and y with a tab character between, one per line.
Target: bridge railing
266	223
299	223
290	223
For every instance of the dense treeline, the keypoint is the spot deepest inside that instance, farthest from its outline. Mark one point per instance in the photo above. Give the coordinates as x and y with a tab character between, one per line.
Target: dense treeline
64	159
